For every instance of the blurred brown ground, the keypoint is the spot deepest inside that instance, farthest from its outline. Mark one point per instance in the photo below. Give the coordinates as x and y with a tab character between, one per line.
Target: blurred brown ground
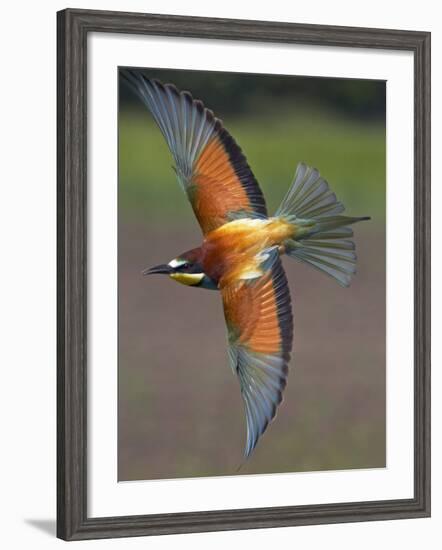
180	409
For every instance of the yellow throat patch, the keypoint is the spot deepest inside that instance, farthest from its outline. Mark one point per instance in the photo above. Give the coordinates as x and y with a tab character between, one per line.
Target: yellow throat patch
189	279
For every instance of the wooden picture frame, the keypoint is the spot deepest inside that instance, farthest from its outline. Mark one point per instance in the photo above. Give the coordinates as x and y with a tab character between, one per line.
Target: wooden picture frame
74	26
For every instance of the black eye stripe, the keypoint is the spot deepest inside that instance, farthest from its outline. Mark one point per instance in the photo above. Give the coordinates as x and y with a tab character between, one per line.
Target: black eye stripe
189	268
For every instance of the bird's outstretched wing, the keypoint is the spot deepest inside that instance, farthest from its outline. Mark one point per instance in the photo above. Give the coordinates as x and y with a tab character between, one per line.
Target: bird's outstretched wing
210	165
260	330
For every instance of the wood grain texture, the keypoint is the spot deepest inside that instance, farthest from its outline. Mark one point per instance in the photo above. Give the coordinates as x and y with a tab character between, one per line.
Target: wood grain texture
72	29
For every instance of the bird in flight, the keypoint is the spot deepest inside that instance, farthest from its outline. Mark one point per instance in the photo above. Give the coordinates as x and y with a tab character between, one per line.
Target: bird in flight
242	245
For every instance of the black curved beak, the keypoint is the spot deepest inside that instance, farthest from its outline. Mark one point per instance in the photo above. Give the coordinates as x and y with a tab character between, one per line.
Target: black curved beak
163	268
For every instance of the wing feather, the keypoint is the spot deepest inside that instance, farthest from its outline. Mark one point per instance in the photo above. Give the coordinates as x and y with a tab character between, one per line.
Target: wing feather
260	328
210	165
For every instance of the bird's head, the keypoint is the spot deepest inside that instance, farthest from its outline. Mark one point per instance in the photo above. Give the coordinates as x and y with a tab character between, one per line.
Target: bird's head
185	269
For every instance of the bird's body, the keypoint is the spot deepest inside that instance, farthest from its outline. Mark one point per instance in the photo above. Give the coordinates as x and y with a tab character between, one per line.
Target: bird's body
241	248
232	252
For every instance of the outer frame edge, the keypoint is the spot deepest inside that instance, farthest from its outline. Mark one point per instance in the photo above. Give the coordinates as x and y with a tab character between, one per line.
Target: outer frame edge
72	28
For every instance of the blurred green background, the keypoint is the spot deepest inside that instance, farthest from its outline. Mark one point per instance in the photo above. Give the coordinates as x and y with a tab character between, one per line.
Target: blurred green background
180	410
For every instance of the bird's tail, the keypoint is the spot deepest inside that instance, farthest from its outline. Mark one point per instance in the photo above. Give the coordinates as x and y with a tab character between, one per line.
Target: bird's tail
322	237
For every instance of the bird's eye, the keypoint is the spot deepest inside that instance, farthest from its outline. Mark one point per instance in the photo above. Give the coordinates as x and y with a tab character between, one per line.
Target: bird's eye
185	267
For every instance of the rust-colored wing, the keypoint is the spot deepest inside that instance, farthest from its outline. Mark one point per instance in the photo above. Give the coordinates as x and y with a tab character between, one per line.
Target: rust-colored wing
210	165
260	330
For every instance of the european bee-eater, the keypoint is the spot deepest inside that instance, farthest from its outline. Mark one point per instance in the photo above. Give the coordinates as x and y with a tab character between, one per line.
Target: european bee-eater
242	245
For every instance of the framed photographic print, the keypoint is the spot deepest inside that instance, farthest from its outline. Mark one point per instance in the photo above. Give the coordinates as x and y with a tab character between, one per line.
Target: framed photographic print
280	174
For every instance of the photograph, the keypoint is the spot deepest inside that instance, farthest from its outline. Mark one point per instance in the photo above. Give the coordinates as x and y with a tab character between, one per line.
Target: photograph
264	197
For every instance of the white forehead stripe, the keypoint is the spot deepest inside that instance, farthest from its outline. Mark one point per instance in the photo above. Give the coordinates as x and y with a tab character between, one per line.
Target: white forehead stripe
176	263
